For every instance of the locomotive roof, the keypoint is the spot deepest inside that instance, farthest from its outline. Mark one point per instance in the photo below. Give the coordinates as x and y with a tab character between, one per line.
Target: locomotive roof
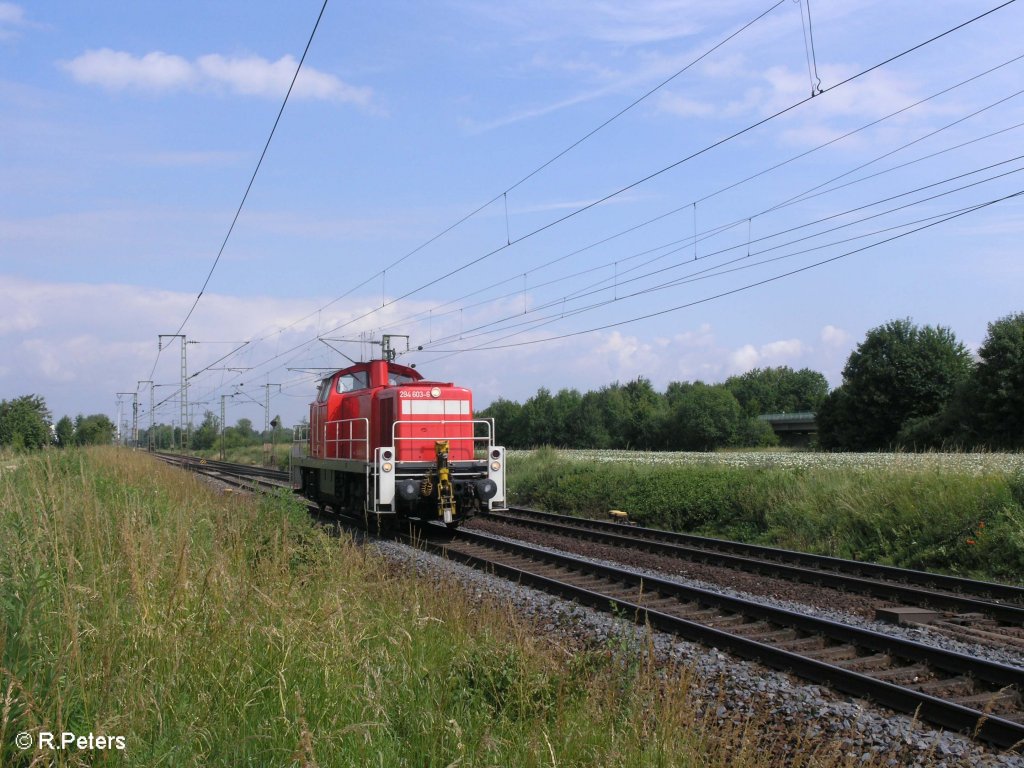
412	373
365	366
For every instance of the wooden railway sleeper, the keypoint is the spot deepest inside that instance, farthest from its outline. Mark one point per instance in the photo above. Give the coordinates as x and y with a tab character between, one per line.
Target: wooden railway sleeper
1005	699
910	673
697	615
627	594
729	620
834	654
874	661
770	635
948	686
802	644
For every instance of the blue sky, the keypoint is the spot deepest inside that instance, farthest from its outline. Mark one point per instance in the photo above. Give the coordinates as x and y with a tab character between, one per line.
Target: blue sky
129	131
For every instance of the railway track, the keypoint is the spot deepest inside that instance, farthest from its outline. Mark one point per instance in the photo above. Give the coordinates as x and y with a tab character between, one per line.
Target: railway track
237	475
989	604
952	690
962	693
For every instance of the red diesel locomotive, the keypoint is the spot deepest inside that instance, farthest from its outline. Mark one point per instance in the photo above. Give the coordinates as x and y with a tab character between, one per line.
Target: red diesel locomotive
384	443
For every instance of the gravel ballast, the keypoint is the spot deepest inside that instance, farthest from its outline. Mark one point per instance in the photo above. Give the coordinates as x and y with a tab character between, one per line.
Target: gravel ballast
736	689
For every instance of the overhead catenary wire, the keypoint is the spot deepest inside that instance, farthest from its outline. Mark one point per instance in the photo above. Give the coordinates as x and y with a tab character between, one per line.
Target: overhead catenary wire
789	229
707	148
746	287
597	202
504	193
620	282
816	191
252	180
256	170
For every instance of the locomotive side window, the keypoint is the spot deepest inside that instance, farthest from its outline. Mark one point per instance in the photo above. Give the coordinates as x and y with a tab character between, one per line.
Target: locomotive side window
325	388
353	381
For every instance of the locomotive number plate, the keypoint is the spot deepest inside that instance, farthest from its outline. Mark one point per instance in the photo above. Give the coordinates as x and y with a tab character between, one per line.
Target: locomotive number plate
414	393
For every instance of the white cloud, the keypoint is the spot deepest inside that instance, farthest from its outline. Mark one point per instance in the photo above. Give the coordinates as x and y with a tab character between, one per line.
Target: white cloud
244	75
763	92
117	70
256	76
834	337
782	350
631	24
11	14
745	358
674	104
481	126
77	344
11	17
773	353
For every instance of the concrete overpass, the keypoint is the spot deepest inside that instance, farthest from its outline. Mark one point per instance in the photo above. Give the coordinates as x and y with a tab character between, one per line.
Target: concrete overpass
797	428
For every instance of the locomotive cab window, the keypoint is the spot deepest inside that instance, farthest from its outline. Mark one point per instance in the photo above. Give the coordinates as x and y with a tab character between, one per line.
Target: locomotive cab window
353	381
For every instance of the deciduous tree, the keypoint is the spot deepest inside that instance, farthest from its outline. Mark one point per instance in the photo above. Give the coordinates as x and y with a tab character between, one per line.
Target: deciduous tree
703	418
996	395
96	429
898	373
24	423
778	390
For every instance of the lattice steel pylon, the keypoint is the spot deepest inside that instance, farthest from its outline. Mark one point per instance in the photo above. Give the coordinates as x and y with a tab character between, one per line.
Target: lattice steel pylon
184	383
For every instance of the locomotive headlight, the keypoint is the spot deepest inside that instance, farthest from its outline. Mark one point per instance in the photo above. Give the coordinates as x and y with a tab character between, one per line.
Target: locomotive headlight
495	466
386	466
435	392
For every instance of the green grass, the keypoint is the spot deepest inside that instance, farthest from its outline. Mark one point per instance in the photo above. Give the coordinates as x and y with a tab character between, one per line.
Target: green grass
213	631
927	517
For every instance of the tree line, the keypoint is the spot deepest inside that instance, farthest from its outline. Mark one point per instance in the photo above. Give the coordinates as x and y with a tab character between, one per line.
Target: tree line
687	416
905	387
25	424
208	434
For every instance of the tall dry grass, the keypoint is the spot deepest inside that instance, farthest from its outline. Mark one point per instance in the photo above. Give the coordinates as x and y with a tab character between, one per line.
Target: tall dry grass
206	630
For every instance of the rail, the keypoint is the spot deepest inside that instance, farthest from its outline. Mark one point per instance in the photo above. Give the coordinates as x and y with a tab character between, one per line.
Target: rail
943	687
999	601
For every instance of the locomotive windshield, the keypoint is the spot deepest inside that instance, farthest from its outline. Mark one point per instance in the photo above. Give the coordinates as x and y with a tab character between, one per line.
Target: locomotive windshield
395	379
353	381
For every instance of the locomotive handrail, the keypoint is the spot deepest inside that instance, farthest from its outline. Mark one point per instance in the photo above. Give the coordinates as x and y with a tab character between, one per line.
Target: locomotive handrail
352	440
486	440
418	422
